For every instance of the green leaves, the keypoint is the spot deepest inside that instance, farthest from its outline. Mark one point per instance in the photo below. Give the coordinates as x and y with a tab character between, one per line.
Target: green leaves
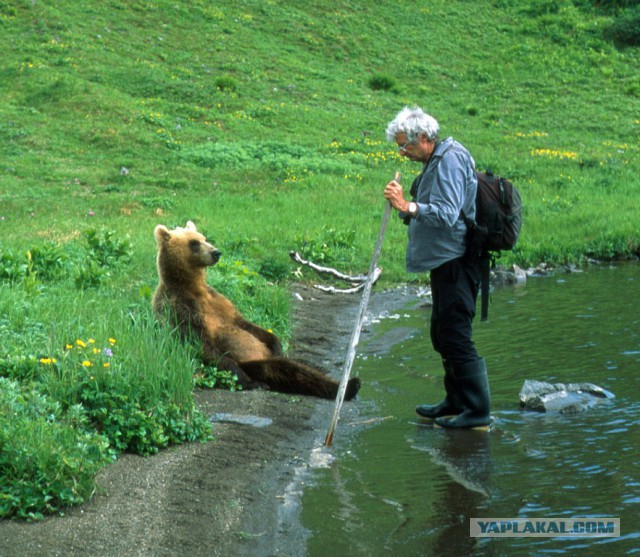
88	264
70	404
45	465
329	246
285	159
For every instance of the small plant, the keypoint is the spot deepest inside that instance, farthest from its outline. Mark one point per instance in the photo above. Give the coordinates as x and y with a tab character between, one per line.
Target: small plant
106	248
164	203
50	260
331	245
380	82
20	367
90	276
625	30
210	377
226	83
274	270
12	267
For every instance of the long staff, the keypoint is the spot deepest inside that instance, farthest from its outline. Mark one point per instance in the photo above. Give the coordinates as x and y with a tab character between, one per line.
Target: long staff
355	336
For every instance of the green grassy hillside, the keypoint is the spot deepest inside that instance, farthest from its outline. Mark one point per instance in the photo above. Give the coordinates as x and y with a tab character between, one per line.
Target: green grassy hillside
258	119
263	121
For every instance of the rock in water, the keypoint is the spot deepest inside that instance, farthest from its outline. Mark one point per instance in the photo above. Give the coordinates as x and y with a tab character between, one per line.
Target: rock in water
569	398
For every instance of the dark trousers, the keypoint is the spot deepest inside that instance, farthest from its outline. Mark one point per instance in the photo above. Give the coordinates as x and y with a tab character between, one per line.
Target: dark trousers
454	289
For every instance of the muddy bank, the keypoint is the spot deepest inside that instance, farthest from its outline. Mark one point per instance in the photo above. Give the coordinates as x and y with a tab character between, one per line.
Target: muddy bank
236	495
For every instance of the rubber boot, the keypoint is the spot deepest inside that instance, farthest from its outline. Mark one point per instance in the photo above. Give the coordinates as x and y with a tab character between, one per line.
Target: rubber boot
473	388
450	406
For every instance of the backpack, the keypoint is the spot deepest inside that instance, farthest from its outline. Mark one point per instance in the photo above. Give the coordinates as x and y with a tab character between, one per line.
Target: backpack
496	227
498	213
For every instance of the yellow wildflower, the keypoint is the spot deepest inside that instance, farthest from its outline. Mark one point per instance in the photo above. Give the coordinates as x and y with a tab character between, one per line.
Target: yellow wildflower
553	153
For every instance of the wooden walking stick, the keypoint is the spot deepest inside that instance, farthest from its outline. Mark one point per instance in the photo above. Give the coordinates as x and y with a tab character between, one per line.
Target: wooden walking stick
355	336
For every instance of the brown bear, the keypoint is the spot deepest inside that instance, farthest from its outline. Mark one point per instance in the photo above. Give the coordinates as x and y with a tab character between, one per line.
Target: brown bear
228	340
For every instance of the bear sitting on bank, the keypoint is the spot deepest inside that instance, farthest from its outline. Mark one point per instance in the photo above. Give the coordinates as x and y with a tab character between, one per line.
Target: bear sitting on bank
228	341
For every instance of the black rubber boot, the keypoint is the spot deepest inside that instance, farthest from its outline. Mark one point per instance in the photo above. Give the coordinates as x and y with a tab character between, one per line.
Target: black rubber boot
473	388
450	406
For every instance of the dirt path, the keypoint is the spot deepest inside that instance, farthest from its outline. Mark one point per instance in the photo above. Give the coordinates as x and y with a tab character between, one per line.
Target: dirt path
237	495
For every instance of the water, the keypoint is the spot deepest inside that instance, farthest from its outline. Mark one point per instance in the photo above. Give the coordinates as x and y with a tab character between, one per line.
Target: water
402	488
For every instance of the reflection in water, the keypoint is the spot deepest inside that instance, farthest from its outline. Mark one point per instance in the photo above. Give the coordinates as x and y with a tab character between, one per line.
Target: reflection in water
401	488
466	458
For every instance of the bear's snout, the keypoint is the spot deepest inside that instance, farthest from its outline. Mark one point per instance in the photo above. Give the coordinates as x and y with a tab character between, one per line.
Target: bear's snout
216	254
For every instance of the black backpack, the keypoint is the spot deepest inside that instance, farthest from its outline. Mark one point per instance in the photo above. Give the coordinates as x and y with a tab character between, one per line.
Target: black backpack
496	227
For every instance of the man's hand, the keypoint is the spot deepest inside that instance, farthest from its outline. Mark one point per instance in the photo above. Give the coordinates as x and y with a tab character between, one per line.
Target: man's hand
393	193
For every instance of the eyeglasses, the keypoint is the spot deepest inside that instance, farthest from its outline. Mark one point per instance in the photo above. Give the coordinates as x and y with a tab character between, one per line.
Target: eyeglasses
403	148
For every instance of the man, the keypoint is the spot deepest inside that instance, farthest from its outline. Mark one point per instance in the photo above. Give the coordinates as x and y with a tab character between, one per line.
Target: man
445	188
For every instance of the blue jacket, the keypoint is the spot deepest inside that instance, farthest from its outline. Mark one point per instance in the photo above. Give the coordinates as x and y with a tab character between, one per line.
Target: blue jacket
446	186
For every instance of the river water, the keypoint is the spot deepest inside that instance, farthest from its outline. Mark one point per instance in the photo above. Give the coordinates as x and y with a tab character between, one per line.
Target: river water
400	487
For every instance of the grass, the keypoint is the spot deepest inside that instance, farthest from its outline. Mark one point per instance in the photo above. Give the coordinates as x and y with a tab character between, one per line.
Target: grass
264	123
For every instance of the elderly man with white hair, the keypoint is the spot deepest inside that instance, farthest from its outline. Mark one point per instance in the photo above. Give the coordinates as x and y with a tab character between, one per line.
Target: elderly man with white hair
440	194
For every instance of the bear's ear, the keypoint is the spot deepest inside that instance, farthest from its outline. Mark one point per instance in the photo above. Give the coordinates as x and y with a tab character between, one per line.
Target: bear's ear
161	233
191	226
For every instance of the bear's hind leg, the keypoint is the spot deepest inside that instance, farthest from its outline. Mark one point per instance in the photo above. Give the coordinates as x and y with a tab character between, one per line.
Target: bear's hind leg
295	377
245	380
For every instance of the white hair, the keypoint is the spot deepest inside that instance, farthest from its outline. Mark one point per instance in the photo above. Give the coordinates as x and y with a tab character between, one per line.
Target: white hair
413	122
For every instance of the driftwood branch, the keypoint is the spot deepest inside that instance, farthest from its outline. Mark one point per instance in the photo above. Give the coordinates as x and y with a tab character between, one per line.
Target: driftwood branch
326	270
333	290
358	280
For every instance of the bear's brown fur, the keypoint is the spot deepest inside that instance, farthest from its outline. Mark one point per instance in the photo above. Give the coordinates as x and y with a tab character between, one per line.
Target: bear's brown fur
228	340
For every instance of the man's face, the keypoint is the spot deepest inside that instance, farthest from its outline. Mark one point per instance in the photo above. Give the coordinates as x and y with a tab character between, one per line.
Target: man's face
419	151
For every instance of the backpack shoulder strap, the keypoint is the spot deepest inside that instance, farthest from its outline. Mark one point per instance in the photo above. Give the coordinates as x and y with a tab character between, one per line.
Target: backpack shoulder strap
485	278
